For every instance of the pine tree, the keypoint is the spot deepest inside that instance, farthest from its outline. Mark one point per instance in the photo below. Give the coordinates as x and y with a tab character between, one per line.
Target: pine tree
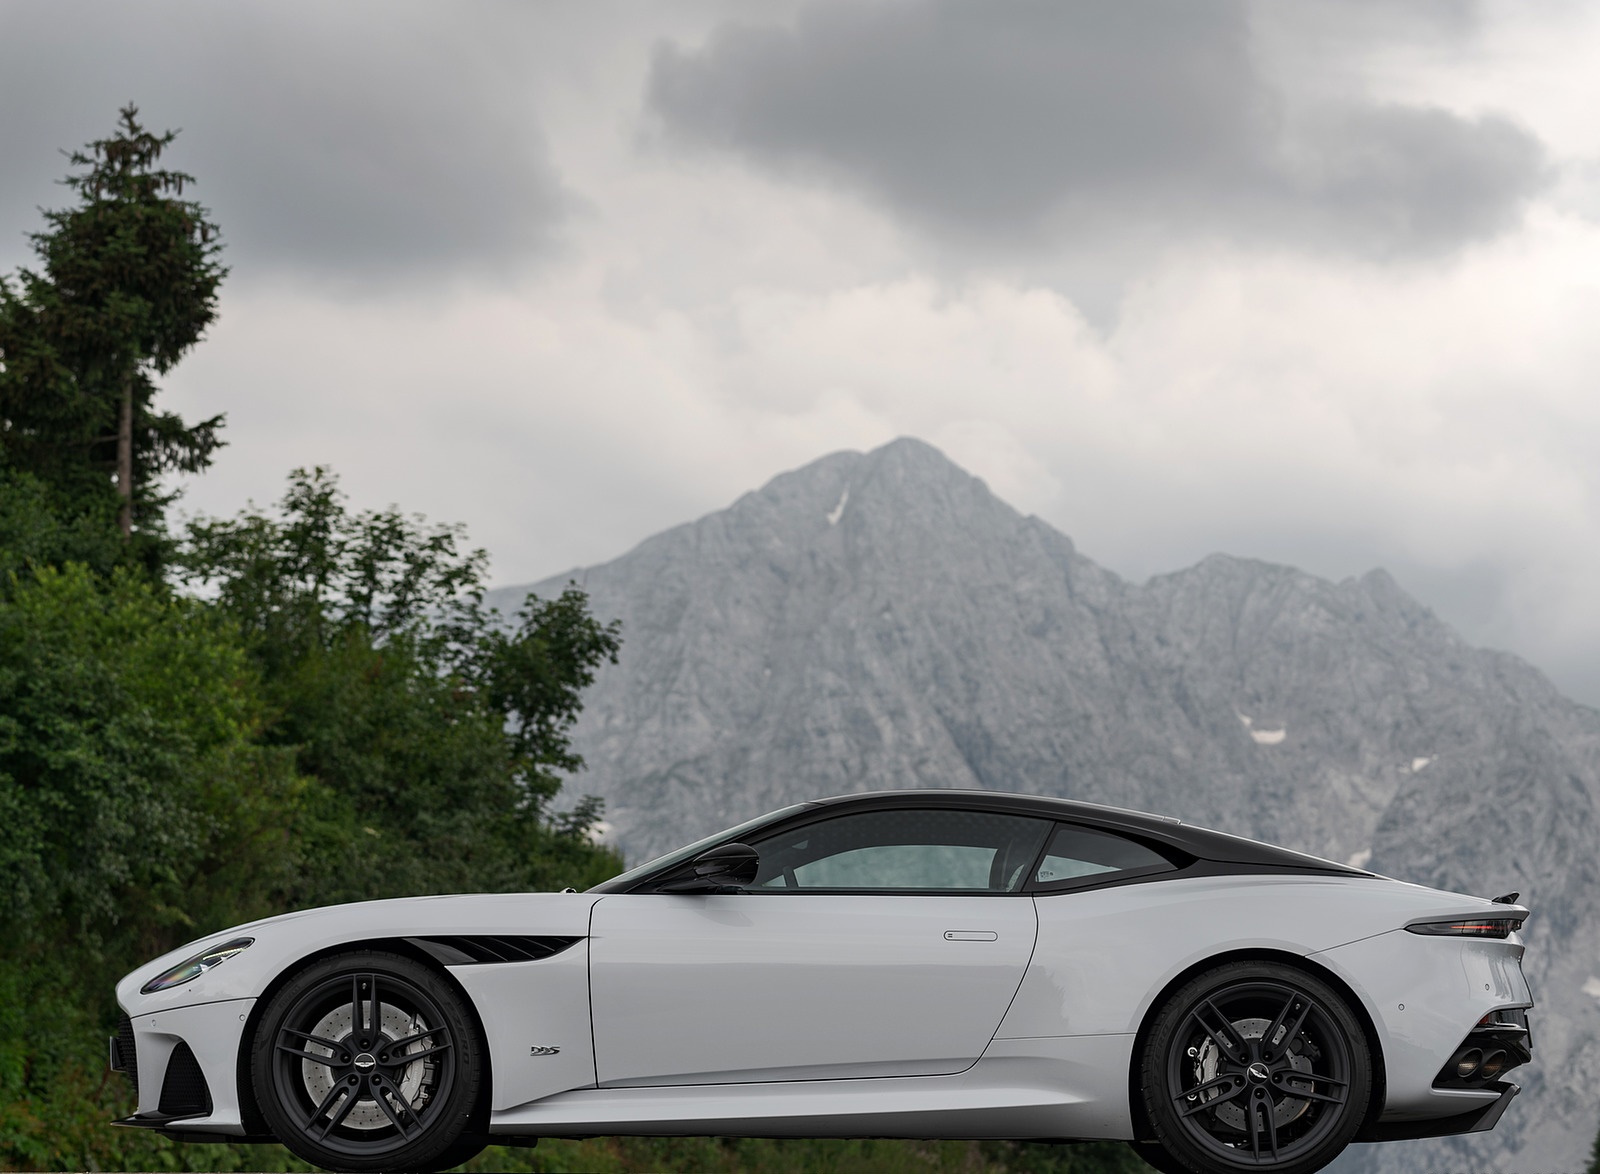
127	285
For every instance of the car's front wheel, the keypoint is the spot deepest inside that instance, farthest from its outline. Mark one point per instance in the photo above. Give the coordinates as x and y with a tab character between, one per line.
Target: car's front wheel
1255	1066
368	1061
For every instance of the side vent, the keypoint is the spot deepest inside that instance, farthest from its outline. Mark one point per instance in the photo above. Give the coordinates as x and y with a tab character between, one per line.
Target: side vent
464	949
184	1092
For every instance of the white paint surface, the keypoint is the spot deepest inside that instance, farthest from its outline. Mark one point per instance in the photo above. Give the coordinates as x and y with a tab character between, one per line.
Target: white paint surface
782	986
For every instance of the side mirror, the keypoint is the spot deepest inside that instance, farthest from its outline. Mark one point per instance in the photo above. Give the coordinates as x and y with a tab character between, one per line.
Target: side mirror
728	866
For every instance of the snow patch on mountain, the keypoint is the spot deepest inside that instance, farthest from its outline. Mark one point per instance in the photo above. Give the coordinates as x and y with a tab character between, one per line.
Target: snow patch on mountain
837	511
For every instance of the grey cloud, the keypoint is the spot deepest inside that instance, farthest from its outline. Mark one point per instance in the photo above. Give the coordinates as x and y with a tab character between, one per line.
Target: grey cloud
1006	120
1395	176
352	141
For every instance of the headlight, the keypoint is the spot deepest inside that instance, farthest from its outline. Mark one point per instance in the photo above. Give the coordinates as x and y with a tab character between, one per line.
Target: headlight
192	969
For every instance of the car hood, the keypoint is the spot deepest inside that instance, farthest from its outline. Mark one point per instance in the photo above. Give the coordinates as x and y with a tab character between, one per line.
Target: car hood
282	941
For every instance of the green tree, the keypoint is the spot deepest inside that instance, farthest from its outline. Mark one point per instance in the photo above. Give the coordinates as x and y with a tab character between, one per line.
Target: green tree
35	532
340	719
127	285
136	802
138	808
435	735
1594	1157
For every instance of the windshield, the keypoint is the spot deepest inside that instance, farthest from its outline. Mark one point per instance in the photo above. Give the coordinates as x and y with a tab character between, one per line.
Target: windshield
692	850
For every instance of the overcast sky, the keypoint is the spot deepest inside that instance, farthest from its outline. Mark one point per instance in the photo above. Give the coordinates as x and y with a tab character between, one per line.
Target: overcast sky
1314	282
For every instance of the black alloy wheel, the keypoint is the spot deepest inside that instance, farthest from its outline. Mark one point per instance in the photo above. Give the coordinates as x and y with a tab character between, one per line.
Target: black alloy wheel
1255	1066
369	1061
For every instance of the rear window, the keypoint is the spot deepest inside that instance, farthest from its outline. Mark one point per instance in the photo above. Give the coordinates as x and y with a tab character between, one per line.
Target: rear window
1080	856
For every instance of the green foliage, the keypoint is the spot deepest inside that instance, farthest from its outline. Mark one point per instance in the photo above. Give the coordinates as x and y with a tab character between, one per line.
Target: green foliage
130	773
1100	1157
127	284
1594	1157
137	809
623	1155
34	530
300	579
56	1096
434	736
341	721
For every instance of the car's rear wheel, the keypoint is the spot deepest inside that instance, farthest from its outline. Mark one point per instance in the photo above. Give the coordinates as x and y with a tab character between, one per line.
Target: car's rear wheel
369	1061
1255	1066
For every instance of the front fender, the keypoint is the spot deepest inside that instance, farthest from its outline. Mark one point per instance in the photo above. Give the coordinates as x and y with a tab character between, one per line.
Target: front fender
535	1014
283	942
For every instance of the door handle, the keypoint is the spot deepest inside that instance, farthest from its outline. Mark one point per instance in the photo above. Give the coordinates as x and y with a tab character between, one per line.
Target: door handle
971	935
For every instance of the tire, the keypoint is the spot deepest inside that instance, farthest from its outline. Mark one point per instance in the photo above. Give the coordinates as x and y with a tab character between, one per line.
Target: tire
369	1061
1255	1066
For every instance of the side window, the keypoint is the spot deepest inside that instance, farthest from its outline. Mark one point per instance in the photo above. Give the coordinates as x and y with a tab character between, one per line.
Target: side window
915	850
1081	855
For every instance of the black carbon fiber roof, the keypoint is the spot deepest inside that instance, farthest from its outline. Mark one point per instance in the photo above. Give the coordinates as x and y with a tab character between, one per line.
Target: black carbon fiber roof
1199	842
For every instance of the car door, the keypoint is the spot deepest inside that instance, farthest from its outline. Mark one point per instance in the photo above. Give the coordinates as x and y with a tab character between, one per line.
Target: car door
875	943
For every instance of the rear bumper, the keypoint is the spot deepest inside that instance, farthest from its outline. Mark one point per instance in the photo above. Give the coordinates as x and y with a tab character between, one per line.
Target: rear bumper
1424	996
1477	1121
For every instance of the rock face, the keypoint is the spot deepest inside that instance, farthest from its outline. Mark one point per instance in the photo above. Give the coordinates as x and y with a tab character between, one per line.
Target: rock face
882	620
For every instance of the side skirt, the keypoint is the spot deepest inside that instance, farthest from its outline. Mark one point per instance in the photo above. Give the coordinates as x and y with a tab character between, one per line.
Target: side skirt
1060	1087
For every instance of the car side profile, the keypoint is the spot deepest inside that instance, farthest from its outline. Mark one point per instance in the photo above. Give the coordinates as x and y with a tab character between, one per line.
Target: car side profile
919	964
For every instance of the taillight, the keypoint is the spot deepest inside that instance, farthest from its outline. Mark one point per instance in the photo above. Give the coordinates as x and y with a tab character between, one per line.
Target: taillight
1470	927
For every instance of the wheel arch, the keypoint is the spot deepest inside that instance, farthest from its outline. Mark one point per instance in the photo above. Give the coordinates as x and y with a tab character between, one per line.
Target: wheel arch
250	1115
1358	1008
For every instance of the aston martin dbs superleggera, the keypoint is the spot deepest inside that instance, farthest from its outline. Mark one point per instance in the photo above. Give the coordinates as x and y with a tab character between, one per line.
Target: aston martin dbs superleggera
945	964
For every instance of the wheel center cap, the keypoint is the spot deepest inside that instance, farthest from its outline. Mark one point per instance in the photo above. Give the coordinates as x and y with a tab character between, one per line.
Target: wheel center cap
1258	1070
366	1063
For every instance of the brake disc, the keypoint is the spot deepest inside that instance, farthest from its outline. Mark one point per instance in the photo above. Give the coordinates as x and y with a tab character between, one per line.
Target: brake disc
416	1081
1207	1062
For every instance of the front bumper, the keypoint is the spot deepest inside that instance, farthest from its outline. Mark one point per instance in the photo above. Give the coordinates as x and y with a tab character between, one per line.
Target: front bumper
184	1064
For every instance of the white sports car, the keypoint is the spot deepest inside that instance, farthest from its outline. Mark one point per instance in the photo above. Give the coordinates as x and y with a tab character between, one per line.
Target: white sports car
922	964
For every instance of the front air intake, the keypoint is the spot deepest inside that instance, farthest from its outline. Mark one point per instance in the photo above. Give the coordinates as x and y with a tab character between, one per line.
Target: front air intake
184	1092
128	1053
